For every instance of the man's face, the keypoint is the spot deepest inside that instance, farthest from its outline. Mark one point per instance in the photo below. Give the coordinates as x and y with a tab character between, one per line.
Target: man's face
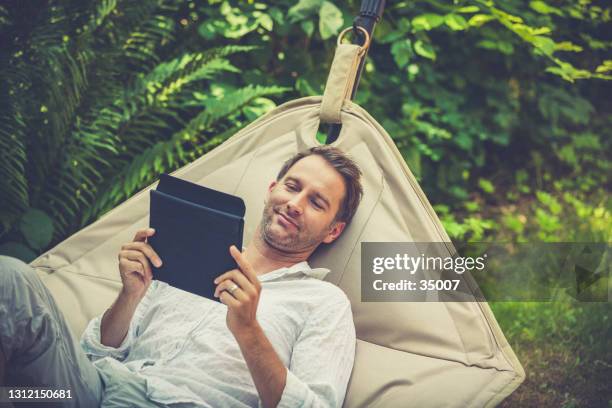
301	207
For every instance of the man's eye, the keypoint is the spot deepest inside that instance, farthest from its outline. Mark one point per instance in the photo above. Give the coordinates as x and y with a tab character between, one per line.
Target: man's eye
316	204
291	187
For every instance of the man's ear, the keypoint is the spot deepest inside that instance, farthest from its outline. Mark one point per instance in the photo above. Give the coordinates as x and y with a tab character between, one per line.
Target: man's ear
335	232
273	184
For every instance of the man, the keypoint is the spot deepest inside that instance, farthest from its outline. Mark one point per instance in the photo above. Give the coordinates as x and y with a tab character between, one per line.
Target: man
281	336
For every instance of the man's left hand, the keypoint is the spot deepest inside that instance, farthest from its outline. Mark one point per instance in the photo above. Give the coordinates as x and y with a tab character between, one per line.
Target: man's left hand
239	289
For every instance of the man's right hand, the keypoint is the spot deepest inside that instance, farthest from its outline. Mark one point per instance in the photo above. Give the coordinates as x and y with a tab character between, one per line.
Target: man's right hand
135	259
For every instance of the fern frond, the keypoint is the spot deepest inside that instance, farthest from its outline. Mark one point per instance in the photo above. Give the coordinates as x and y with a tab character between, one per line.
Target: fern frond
14	191
97	18
4	18
216	109
99	113
170	77
112	134
166	156
13	159
58	76
153	32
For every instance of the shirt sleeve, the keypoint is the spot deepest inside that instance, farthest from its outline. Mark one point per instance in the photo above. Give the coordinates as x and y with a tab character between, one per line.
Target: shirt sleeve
91	338
322	359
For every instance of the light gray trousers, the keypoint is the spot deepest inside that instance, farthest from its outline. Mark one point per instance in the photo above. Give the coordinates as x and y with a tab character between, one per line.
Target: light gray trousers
36	342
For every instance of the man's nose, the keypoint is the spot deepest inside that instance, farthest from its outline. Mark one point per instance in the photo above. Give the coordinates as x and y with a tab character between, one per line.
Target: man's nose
294	206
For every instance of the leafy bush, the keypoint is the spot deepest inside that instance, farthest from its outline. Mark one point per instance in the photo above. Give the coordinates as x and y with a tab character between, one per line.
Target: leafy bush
500	108
489	102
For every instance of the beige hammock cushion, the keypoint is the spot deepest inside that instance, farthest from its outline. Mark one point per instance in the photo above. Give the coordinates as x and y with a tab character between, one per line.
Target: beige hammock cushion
430	354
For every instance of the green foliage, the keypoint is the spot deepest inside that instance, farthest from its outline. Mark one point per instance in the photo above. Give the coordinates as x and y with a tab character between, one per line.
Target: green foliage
33	233
500	108
565	321
471	228
486	186
101	100
330	20
486	101
182	147
37	228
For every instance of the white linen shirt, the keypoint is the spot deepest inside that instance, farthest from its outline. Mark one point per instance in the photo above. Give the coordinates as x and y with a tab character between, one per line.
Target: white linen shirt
179	344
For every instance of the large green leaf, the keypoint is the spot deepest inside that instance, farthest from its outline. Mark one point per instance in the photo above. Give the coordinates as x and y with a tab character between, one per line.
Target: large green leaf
455	21
544	8
330	20
544	44
37	228
427	21
401	51
424	49
304	9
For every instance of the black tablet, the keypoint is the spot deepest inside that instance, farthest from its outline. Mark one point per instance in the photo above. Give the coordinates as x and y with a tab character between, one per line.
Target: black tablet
194	229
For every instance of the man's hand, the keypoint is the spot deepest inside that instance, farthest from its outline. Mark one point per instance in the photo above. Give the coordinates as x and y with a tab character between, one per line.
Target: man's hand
266	368
136	276
135	260
239	289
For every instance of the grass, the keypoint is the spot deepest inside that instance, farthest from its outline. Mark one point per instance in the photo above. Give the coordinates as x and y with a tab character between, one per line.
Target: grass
565	348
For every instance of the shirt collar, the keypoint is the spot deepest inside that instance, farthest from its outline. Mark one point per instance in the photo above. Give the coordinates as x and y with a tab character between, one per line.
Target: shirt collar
300	268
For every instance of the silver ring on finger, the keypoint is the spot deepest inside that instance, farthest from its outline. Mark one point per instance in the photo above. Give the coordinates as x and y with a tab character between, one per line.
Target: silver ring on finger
233	289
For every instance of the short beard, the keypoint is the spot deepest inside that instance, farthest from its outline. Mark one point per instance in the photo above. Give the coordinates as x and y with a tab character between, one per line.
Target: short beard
296	243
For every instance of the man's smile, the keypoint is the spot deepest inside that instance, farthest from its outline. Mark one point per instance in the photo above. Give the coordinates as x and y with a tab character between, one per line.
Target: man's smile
286	221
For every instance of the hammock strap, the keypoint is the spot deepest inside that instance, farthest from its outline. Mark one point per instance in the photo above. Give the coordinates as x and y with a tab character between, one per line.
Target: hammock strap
340	81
